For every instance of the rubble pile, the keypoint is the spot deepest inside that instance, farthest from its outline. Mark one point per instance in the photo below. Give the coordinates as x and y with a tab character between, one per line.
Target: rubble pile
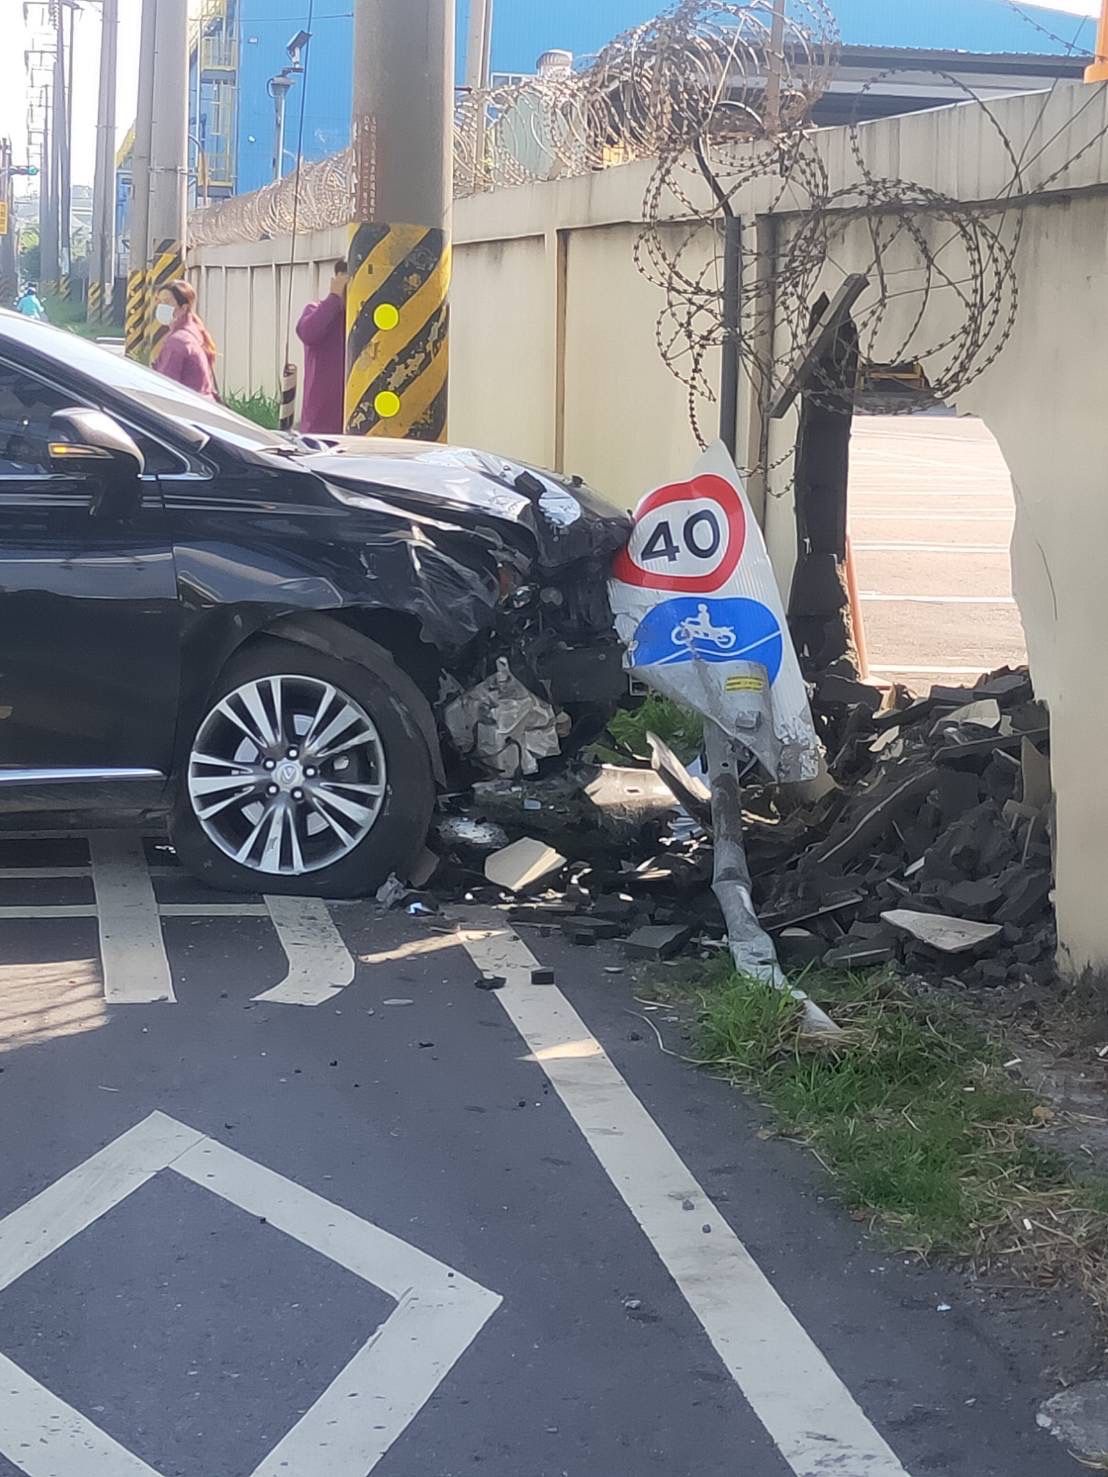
930	846
926	845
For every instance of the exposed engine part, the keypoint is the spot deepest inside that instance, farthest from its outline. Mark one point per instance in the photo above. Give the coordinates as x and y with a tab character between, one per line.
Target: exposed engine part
504	726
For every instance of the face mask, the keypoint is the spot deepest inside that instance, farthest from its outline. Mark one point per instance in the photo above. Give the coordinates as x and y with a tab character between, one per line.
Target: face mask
164	313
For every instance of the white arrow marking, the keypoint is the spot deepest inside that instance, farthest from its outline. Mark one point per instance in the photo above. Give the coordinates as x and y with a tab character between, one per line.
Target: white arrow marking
320	964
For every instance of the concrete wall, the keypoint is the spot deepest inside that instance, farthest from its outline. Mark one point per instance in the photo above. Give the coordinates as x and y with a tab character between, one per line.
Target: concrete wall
250	292
554	358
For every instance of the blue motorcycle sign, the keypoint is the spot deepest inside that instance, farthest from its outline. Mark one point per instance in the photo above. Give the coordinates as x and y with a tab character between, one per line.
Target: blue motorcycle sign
714	637
689	629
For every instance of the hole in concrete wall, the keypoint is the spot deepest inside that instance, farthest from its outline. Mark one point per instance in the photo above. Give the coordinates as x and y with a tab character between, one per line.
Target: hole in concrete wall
931	510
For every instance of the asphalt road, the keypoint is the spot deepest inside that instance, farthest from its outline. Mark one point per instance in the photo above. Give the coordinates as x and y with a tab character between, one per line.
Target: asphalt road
931	514
331	1209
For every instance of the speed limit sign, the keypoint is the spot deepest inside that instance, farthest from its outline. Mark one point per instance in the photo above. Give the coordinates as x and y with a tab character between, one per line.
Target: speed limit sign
688	537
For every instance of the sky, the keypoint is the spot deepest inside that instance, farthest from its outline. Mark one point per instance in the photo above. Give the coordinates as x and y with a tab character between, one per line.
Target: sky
13	96
86	80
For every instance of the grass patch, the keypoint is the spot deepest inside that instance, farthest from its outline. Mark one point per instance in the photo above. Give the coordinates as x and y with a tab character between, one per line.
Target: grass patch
263	409
64	313
680	728
917	1120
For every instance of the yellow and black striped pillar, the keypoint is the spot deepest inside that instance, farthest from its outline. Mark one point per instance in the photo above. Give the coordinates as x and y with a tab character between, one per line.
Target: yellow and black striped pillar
138	310
64	289
287	410
167	265
397	332
94	308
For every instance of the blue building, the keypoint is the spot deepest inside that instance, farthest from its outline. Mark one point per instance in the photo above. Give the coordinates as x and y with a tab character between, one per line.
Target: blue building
239	45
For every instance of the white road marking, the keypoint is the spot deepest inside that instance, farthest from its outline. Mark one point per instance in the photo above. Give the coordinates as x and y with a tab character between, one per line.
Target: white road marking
873	597
812	1417
946	671
132	951
909	548
44	1437
438	1315
70	1205
320	964
886	515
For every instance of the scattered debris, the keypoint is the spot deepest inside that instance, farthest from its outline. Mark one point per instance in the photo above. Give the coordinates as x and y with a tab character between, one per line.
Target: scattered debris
927	838
490	982
655	942
542	976
688	790
523	864
602	802
948	935
467	837
392	891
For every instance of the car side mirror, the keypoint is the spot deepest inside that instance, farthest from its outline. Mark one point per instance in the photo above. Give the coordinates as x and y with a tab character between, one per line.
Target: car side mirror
90	444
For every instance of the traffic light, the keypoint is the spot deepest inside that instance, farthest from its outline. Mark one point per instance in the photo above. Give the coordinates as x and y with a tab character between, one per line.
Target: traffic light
28	169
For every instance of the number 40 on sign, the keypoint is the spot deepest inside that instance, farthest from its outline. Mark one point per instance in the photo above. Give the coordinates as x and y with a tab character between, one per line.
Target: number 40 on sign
688	537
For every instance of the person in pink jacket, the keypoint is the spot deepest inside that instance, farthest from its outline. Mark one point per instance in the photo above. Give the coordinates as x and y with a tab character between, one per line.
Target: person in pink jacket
322	331
187	353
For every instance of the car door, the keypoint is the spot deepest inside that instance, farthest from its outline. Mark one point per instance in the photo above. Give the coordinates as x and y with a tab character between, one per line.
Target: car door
88	615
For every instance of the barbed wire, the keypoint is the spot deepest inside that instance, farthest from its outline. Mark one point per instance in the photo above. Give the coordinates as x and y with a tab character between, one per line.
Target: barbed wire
942	295
1070	47
326	198
720	95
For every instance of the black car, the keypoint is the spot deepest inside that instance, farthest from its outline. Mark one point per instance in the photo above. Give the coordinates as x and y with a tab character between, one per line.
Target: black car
260	634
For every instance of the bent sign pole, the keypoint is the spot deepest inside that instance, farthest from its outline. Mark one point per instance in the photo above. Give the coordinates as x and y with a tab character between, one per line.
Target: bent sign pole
168	153
397	313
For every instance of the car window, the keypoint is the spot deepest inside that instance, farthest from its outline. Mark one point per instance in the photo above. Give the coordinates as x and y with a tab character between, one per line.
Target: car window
192	413
26	405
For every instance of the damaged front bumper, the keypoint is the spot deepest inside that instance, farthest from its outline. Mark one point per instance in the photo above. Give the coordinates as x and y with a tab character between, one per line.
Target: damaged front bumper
545	684
506	570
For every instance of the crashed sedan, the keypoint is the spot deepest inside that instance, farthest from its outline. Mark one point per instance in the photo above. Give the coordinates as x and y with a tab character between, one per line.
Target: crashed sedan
286	645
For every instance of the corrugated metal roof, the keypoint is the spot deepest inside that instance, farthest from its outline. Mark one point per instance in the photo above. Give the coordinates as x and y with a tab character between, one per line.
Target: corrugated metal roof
523	29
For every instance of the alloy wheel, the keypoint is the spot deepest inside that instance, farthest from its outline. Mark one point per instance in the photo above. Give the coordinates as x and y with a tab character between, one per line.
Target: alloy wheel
287	775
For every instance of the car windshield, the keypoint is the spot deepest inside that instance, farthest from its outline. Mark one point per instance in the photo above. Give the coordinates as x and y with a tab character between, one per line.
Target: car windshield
151	390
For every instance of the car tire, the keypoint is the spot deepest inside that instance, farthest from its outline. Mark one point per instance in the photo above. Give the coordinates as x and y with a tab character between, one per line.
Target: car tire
405	793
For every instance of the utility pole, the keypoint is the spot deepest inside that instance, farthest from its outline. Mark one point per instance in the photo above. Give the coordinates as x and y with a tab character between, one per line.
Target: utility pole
62	137
48	202
9	273
138	306
775	63
1097	70
168	153
397	315
479	44
478	77
102	259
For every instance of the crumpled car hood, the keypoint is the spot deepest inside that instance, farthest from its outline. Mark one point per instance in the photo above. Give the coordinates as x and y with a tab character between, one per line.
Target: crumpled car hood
475	489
